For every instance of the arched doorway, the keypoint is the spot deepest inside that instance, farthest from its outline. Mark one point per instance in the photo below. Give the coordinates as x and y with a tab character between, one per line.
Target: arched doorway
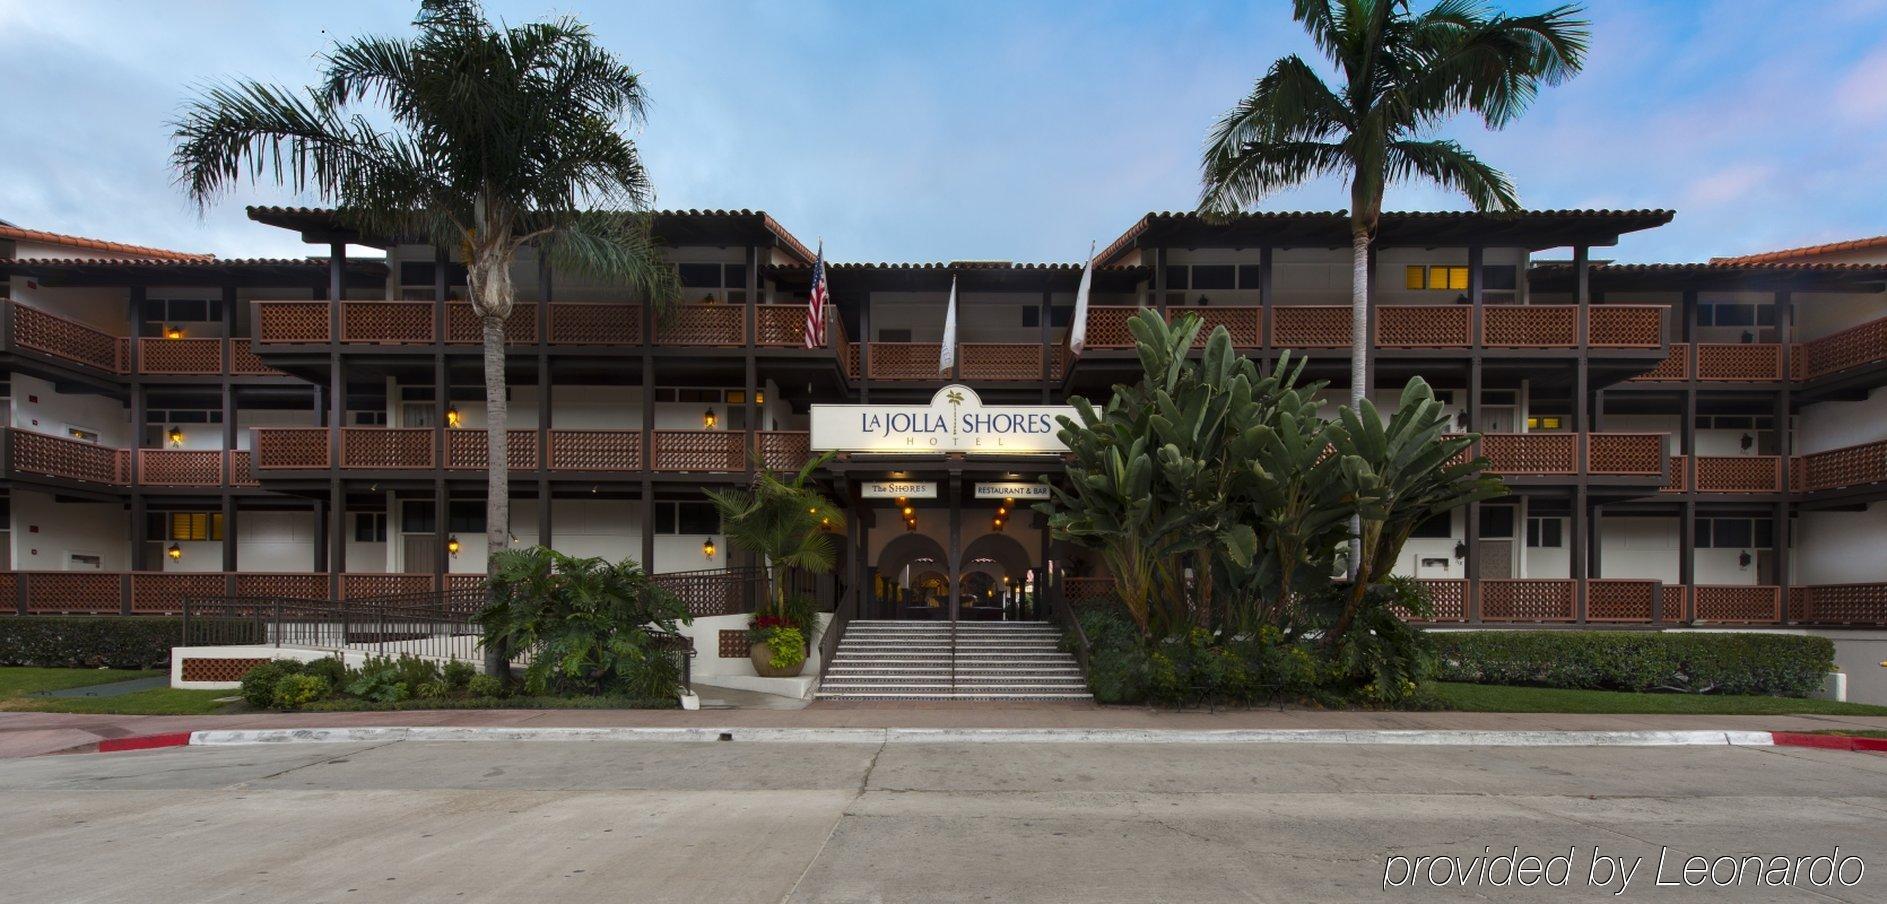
995	574
913	579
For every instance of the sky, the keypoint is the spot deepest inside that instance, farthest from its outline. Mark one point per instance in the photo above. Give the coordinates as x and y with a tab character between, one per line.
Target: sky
936	131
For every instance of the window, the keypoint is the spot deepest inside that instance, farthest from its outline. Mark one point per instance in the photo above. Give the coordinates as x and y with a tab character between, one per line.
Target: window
1417	276
1215	276
1176	278
1546	533
370	527
1544	422
1736	314
158	313
686	518
1061	315
1439	527
1251	276
1497	522
186	525
1500	278
894	335
418	518
1735	533
724	281
467	517
82	434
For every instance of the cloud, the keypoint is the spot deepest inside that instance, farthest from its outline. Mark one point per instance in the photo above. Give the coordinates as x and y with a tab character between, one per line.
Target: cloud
1862	95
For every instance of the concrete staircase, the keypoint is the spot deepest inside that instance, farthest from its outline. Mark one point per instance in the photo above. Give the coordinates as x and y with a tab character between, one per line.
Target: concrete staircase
915	660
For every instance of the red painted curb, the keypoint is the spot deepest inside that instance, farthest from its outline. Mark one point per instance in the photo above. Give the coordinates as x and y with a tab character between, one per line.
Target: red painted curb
1827	742
145	742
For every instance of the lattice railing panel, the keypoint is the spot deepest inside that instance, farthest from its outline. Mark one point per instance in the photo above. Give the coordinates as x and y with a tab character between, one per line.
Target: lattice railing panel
785	450
386	322
1531	453
180	467
1625	453
1842	604
1676	602
1676	474
1527	599
1675	367
164	592
595	450
180	356
96	592
1624	326
386	447
904	361
1853	347
1737	473
467	449
1530	326
1621	600
1448	597
358	586
290	447
290	585
781	325
1739	603
595	324
988	362
851	360
241	469
463	326
698	450
1245	323
1748	362
243	361
1081	591
705	593
292	322
56	456
1107	326
1424	326
1851	466
1310	326
716	325
62	337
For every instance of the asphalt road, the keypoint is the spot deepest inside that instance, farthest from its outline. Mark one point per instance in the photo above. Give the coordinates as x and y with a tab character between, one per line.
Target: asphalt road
738	822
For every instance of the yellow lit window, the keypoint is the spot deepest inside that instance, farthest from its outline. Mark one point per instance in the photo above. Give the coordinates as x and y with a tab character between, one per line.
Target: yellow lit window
196	526
1415	276
1457	278
1437	278
1543	423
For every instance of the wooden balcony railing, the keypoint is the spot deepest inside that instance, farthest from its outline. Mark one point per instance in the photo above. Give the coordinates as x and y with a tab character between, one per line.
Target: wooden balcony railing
704	325
1855	346
785	450
1834	469
903	361
1739	362
698	450
1529	326
1624	326
386	447
595	450
1528	600
1530	454
1424	326
595	324
468	449
242	469
199	357
1677	475
1839	604
1412	326
68	459
995	362
1744	603
1310	326
1448	597
464	328
1107	326
1737	473
1675	368
290	448
181	467
1621	599
291	322
1626	454
69	340
1244	323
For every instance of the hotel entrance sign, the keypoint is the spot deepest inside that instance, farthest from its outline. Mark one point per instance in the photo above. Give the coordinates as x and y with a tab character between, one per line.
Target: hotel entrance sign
956	420
898	489
1012	490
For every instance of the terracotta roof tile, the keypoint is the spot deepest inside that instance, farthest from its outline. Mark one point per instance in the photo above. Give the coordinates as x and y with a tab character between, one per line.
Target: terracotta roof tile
18	234
1786	254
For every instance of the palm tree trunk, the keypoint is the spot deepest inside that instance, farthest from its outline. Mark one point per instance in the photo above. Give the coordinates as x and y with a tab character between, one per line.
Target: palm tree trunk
497	468
1359	355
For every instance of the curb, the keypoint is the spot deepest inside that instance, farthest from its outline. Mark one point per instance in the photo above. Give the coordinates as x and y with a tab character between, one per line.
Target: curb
1465	738
1829	742
145	742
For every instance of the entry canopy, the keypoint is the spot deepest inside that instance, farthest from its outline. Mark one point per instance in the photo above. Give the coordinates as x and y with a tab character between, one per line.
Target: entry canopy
956	420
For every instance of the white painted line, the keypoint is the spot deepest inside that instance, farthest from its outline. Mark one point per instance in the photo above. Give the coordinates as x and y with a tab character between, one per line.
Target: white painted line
1441	738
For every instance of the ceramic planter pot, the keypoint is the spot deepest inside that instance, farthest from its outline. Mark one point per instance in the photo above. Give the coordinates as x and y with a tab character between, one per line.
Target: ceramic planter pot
762	656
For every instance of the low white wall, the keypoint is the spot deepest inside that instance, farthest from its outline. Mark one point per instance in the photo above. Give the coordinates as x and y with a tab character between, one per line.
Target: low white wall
711	669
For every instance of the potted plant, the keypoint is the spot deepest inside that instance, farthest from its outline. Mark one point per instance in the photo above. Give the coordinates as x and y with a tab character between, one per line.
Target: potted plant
777	647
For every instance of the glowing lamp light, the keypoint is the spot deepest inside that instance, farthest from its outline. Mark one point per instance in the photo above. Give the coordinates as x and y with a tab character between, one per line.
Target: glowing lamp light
759	398
174	552
708	419
452	545
909	512
175	436
707	548
453	417
173	332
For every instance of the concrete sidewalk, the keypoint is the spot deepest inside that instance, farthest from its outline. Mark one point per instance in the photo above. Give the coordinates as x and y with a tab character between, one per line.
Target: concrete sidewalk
32	734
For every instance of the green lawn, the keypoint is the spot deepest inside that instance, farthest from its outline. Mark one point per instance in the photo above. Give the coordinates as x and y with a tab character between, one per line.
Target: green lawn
16	684
1489	698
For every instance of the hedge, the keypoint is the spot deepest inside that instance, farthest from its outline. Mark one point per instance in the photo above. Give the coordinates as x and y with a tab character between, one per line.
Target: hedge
119	642
1781	665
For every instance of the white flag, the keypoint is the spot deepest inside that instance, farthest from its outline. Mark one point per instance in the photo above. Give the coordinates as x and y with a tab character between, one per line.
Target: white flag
947	352
1078	331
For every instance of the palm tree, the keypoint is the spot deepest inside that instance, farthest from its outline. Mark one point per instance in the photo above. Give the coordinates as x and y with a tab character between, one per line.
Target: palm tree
1404	74
497	139
785	521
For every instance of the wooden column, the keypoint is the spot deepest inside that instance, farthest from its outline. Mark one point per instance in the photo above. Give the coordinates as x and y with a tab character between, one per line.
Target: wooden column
337	410
1266	303
545	402
1582	288
752	410
1043	318
864	348
140	524
1477	298
1472	564
955	489
1159	281
1687	444
1580	513
1785	445
230	563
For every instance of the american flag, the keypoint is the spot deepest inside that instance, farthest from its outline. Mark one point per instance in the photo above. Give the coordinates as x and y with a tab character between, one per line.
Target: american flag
816	303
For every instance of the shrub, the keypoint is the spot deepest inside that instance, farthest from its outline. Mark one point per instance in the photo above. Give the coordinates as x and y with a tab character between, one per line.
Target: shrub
384	680
1770	664
330	668
485	686
432	690
786	646
88	641
458	673
591	626
297	691
259	683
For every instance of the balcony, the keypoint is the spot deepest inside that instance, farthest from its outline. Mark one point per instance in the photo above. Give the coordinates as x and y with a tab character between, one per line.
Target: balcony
164	592
1736	473
46	455
1448	326
1856	346
587	451
69	340
199	357
1840	469
1633	455
594	325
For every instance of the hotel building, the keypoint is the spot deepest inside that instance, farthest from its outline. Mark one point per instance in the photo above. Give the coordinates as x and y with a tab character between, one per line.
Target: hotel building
1688	444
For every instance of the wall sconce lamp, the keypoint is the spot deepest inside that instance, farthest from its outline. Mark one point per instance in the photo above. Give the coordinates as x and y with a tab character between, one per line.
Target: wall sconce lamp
175	552
709	419
1743	559
453	417
452	545
707	548
759	398
1461	549
175	436
173	332
909	513
1746	442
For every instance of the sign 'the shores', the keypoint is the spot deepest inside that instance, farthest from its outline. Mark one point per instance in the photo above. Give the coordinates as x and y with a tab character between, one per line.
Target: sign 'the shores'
956	420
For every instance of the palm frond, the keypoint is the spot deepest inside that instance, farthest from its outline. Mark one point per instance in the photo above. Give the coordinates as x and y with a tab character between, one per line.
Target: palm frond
1448	164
